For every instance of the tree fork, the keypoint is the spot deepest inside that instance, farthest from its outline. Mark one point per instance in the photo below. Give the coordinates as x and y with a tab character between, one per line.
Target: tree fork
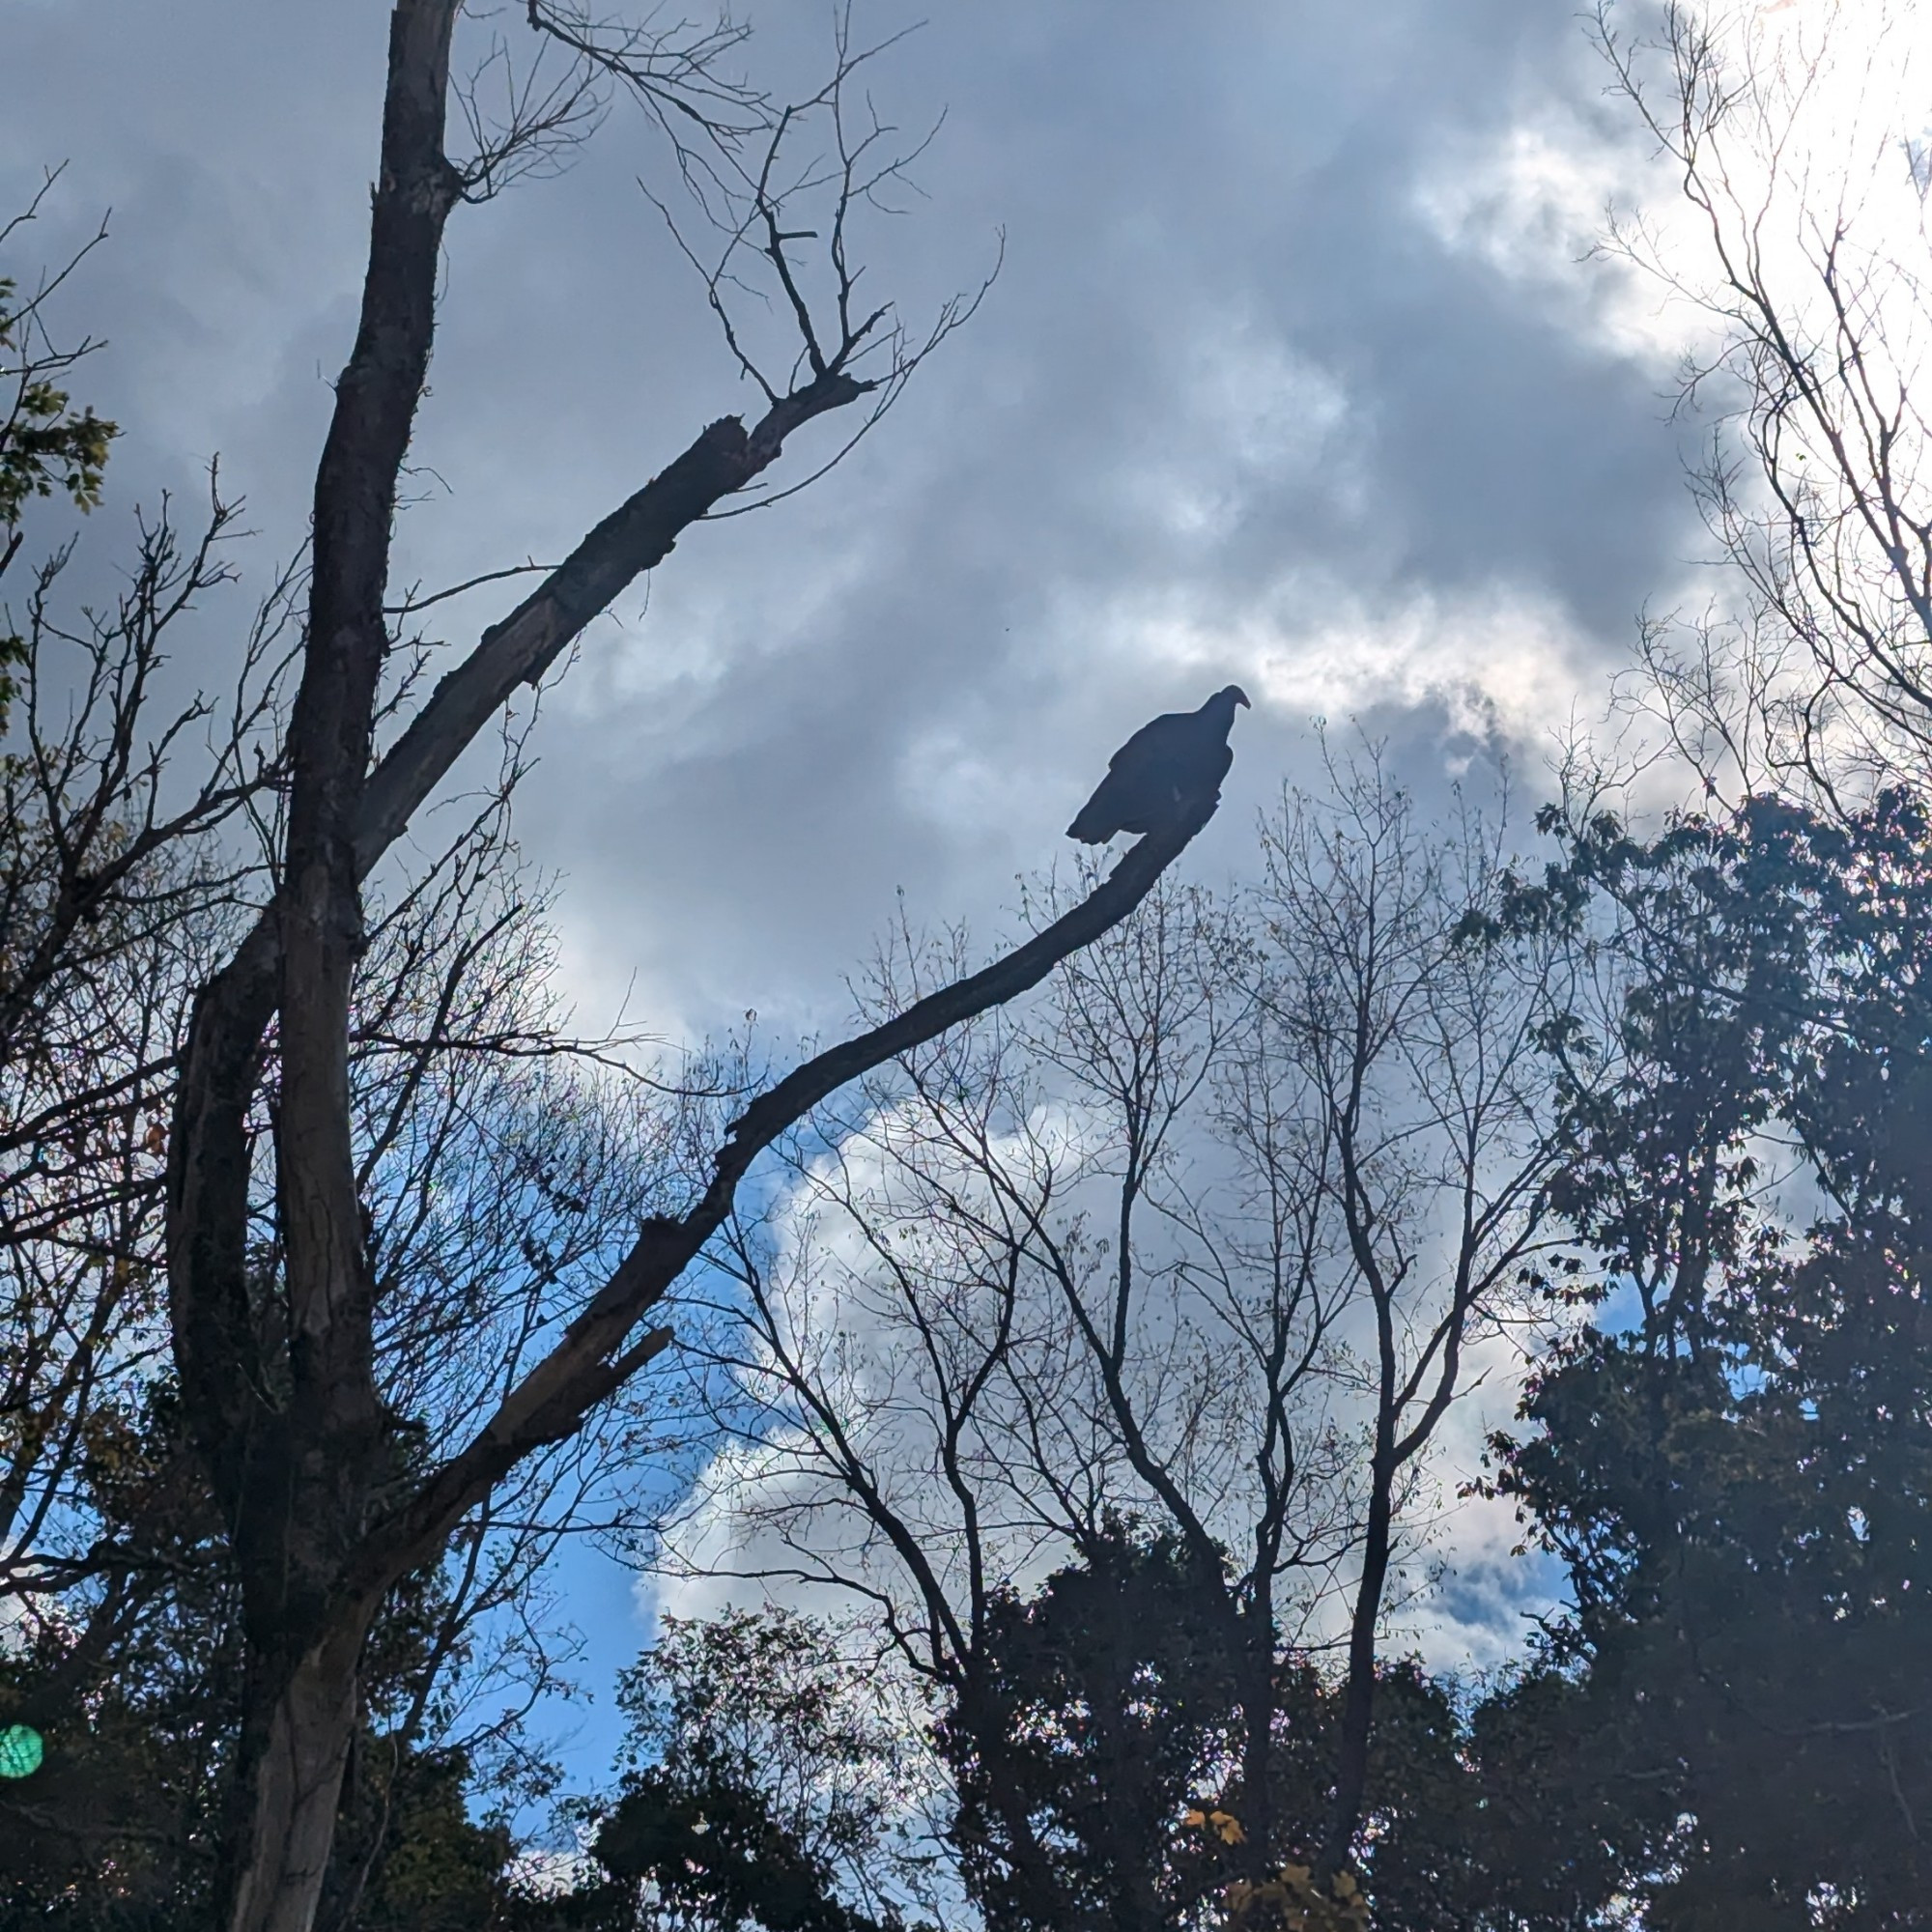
294	1471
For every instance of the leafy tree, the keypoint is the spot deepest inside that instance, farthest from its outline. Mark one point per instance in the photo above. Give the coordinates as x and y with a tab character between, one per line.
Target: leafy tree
770	1782
1107	1700
121	1826
47	447
439	1872
1100	1771
1741	1480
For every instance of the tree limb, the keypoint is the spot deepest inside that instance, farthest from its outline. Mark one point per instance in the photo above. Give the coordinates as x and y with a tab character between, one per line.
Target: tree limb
634	537
593	1359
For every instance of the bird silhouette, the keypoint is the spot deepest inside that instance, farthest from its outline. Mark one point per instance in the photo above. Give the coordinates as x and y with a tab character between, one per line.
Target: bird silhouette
1176	762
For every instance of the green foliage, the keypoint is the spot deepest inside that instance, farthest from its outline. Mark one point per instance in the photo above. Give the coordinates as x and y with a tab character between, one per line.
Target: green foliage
1105	1704
438	1871
44	446
1563	1829
769	1783
1098	1769
711	1843
1742	1483
119	1826
137	1703
1295	1900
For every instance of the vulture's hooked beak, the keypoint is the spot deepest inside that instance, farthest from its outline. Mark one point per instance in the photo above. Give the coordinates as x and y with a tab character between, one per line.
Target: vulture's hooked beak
1242	699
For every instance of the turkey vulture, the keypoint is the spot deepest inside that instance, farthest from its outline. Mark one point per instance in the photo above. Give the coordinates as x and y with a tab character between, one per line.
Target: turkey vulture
1175	761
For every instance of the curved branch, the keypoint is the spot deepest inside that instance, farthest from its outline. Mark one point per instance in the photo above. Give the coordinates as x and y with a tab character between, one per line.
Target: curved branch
596	1355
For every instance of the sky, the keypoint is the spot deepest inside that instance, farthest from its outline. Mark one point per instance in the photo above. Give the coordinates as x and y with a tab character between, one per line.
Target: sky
1293	373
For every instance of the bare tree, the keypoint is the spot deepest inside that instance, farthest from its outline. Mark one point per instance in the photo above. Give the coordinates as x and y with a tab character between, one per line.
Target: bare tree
117	883
1203	1240
1413	1036
104	848
1805	174
288	1376
503	1166
504	1163
945	1373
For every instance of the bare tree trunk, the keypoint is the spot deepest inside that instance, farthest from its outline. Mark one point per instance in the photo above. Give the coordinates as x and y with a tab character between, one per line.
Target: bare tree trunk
1351	1745
982	1715
1422	1053
1257	1655
295	1744
300	1705
305	1713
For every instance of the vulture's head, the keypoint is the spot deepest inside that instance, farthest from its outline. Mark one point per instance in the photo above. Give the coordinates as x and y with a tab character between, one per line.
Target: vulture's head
1222	705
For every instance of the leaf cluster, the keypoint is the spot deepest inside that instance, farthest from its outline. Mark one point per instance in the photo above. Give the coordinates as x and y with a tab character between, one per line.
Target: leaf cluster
1738	1473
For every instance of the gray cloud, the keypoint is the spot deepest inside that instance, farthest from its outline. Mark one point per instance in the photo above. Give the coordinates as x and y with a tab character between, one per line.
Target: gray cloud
1231	376
1236	406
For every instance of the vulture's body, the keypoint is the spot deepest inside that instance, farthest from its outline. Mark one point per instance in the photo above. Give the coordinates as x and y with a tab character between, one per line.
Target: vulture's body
1166	766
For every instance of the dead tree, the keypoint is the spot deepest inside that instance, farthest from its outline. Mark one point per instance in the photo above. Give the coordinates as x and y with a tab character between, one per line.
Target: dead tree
298	1446
1794	138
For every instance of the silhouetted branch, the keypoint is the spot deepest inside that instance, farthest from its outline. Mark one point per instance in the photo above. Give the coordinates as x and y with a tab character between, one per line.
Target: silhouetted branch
596	1355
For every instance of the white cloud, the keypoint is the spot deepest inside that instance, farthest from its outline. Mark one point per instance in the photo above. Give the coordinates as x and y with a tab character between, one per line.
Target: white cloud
1497	658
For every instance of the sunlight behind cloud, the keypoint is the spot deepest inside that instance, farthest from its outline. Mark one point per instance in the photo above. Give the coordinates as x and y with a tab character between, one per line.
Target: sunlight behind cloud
1531	205
1506	660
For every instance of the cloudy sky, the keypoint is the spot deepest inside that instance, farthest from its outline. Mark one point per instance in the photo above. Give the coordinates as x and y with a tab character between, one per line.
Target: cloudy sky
1293	375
